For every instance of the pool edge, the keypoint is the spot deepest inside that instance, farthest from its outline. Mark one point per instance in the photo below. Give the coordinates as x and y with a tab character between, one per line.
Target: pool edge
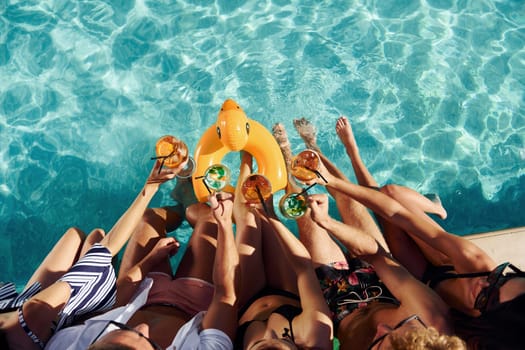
503	245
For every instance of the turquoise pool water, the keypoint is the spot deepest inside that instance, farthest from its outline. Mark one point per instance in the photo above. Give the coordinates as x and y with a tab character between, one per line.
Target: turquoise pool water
434	89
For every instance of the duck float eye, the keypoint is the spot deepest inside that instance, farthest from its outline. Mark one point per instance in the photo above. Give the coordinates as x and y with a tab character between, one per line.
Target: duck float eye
247	128
219	132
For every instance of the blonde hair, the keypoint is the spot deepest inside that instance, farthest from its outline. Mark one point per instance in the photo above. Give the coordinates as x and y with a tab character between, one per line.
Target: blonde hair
426	338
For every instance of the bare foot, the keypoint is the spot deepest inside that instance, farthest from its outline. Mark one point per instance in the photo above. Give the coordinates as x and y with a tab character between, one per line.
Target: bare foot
307	132
279	133
439	210
345	133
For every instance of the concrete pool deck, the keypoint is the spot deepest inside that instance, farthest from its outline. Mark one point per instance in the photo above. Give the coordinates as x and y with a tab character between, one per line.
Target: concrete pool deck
503	245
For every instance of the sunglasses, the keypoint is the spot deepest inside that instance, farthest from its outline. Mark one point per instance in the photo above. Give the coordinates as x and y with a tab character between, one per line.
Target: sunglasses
125	327
399	325
494	279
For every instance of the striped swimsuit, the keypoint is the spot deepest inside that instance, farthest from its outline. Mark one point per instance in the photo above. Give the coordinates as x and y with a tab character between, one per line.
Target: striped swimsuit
93	283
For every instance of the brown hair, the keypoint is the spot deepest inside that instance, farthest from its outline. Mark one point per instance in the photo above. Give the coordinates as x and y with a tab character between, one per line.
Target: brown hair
426	338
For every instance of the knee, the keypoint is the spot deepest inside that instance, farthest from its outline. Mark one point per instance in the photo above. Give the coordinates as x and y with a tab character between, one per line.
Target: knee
150	216
96	235
390	190
196	212
75	233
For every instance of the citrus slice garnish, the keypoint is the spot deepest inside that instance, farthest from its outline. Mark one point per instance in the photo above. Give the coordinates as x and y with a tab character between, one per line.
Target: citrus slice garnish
171	150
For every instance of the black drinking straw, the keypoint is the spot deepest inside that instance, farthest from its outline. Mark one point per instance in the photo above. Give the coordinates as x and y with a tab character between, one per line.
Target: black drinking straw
316	172
206	185
159	157
259	194
306	189
163	159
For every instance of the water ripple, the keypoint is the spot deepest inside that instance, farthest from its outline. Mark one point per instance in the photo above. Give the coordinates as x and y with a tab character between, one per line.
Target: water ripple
434	90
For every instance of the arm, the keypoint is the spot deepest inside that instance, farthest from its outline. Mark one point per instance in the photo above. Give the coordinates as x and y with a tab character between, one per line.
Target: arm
222	313
314	322
357	242
413	295
465	255
122	230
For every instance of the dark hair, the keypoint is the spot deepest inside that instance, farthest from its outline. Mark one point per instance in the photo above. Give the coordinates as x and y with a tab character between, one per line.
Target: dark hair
3	340
499	328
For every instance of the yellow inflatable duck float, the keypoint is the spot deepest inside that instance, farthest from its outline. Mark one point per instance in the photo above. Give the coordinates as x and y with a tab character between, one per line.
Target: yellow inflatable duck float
232	132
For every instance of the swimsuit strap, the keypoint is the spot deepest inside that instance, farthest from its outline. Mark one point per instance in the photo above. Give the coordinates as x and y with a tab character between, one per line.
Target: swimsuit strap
27	330
433	275
10	300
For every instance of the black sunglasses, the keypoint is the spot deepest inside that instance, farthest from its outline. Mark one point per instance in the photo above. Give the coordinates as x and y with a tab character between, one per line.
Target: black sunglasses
484	296
125	327
399	325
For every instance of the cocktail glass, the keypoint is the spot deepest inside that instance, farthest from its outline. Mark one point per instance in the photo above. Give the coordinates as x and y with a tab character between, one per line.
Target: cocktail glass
293	205
256	187
171	150
216	177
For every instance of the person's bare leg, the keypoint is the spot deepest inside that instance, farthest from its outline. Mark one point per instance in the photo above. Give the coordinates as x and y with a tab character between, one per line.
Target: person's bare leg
401	245
279	133
352	212
344	131
322	248
415	201
95	236
248	238
412	201
199	256
59	259
155	224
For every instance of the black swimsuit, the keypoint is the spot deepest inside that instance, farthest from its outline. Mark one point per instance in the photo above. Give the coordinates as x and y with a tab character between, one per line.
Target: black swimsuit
289	312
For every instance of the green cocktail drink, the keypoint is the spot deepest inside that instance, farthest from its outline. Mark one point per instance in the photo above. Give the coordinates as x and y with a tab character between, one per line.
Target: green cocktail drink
293	205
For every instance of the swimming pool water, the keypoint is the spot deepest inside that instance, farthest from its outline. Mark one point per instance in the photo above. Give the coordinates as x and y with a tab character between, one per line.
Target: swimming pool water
434	90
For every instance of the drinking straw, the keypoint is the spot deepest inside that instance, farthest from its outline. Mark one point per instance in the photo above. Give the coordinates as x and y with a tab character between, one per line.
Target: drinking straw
259	194
316	172
163	159
306	189
205	184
